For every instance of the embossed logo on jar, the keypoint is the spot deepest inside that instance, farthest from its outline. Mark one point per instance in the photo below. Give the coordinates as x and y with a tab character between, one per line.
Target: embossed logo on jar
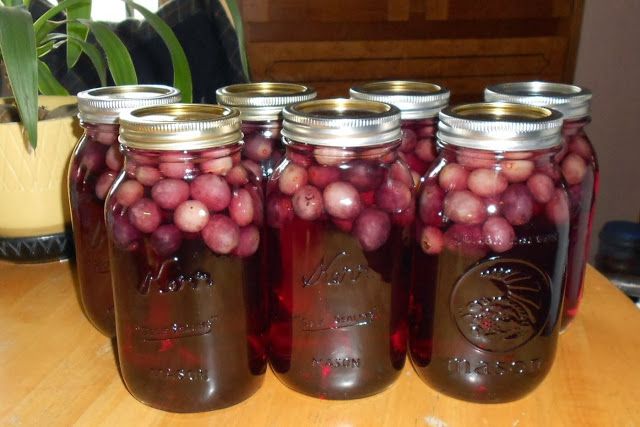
336	271
167	280
501	304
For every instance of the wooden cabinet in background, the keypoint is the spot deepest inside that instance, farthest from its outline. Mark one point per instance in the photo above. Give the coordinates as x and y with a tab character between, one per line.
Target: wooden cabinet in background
462	44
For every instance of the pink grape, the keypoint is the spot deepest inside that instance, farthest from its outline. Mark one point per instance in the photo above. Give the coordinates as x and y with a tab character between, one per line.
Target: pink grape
216	153
258	205
464	207
580	145
292	178
453	177
168	193
557	209
114	158
372	228
191	216
212	190
486	182
409	140
178	170
431	240
393	196
166	240
400	172
300	159
498	234
125	235
221	234
473	159
406	217
219	166
252	167
541	187
574	169
466	239
414	163
248	241
517	170
237	175
517	204
428	131
426	150
258	148
321	176
430	204
307	203
92	157
147	175
279	210
129	192
106	138
365	176
241	207
104	184
342	200
145	215
330	156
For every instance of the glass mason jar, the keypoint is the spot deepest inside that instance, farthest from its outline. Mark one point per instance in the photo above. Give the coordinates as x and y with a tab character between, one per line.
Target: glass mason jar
490	253
419	104
184	221
339	210
95	162
579	168
260	106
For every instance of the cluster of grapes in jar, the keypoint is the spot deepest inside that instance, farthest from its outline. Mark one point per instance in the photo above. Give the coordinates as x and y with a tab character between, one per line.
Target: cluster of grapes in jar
364	192
168	197
575	159
418	145
475	203
262	145
100	156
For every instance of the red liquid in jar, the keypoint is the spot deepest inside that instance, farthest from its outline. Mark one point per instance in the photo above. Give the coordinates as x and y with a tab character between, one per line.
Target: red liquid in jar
187	263
95	164
418	146
339	277
488	277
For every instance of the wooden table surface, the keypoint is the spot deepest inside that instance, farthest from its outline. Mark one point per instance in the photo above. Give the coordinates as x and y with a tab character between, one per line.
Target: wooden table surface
55	369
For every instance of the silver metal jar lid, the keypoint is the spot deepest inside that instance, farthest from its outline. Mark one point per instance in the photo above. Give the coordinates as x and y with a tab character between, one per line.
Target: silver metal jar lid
342	123
572	101
104	104
265	100
500	126
416	100
179	127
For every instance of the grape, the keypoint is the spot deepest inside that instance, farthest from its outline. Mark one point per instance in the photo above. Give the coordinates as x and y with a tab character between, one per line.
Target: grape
241	207
147	175
580	145
279	210
252	167
372	228
169	193
321	176
393	196
409	140
248	241
258	208
292	178
125	235
114	158
237	175
453	177
428	131
330	156
219	166
405	217
486	182
431	240
400	172
129	192
106	138
517	170
258	148
307	203
342	200
498	234
541	187
414	163
191	216
166	240
574	169
473	159
557	209
365	176
517	204
104	184
430	204
178	170
426	150
221	234
464	207
92	157
212	190
145	215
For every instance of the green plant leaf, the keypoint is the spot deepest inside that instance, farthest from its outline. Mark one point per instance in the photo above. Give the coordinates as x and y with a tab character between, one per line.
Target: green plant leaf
47	83
181	70
76	29
94	55
60	7
118	58
18	50
45	48
237	23
46	28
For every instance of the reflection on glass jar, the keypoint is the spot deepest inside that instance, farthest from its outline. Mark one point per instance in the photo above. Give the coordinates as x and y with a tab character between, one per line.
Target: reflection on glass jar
490	253
339	210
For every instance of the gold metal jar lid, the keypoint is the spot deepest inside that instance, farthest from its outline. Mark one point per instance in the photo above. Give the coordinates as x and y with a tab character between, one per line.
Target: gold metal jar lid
572	101
180	127
342	123
104	104
416	100
500	126
265	100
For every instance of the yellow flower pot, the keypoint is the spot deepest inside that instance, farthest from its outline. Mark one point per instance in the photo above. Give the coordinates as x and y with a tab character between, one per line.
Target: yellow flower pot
33	183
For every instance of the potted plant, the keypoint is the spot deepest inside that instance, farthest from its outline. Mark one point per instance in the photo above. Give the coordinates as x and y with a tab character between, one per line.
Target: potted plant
37	140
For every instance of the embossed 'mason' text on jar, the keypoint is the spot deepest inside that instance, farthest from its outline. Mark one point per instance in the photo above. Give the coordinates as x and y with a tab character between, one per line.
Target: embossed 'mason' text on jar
490	253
